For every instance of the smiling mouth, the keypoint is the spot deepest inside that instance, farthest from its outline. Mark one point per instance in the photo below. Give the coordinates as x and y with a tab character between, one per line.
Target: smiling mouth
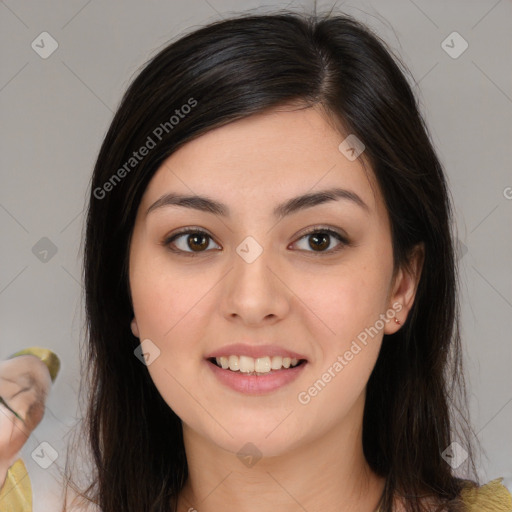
256	366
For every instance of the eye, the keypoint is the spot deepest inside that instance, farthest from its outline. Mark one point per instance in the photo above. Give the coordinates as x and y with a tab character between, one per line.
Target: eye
321	238
195	239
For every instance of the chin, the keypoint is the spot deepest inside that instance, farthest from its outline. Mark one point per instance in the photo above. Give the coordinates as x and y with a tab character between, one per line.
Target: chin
265	438
256	445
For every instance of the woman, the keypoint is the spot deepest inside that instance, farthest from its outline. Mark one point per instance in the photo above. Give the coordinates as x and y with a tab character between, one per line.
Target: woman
271	283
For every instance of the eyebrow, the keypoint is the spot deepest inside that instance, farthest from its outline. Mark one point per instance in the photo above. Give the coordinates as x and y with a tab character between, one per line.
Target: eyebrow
206	204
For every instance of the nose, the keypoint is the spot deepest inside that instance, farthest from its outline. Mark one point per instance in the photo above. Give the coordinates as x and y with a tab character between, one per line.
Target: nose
254	292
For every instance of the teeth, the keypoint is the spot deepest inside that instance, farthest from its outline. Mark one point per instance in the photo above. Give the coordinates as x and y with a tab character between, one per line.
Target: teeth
259	365
246	364
233	363
277	362
262	365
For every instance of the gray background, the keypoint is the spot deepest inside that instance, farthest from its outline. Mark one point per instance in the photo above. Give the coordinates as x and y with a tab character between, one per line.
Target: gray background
55	112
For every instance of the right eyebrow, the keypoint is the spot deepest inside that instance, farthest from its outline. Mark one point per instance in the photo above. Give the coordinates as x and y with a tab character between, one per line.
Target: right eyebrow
206	204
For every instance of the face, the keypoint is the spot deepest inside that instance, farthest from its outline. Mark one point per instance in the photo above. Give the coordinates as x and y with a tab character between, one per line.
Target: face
312	281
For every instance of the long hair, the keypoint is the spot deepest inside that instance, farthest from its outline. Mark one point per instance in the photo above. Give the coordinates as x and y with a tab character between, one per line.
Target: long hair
223	72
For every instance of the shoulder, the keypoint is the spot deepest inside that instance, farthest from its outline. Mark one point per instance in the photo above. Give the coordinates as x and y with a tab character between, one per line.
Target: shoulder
491	497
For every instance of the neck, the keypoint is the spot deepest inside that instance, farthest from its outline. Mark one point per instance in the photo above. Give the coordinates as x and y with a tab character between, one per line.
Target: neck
327	473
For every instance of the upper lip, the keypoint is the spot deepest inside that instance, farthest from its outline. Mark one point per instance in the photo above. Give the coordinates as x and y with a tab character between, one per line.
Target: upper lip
254	351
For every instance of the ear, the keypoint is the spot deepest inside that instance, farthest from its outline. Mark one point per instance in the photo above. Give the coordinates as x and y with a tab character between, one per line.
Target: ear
405	285
135	328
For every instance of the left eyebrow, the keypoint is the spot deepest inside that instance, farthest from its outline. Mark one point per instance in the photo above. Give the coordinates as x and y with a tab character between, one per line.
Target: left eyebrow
290	206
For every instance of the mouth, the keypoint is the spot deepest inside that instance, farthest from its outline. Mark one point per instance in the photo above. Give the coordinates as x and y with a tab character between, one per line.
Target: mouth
260	366
254	368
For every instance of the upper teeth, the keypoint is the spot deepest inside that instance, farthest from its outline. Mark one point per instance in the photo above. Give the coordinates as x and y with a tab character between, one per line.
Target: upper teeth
247	364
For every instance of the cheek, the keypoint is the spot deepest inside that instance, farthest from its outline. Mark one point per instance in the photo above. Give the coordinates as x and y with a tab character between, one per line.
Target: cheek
345	358
345	303
349	303
169	306
351	349
163	296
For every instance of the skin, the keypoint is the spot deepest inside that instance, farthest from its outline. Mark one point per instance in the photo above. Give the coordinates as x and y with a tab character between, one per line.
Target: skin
312	300
24	385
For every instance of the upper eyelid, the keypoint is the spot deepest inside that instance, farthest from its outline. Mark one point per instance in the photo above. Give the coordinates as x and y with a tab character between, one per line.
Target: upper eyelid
314	229
310	230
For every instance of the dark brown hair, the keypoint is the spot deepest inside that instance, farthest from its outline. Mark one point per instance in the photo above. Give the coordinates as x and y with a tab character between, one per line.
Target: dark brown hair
232	69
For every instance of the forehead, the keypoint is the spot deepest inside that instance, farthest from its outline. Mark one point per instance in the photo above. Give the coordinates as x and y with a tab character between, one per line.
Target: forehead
267	156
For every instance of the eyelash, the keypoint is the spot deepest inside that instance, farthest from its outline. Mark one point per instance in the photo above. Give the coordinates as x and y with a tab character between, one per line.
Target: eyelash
317	229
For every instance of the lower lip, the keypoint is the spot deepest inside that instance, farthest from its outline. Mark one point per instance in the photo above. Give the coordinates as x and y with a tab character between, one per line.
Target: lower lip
256	384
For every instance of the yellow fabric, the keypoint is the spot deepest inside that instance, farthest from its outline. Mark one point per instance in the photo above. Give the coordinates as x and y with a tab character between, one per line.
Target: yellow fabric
491	497
16	493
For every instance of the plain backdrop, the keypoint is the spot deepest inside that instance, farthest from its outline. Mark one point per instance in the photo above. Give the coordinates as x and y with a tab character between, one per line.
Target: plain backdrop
56	108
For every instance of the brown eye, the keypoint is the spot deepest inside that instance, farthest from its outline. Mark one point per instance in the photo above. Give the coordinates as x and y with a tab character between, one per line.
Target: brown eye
198	240
191	241
319	240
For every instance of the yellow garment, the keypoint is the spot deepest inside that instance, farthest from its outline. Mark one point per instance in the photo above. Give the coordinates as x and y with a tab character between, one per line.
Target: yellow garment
491	497
16	494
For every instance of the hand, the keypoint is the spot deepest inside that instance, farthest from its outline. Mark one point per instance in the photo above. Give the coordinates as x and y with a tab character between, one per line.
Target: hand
24	385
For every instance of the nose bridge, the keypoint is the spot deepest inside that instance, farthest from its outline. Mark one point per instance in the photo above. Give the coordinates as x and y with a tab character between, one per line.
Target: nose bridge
252	264
254	292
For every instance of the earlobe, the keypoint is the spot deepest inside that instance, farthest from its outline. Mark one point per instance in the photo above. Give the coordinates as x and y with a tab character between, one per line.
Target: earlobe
405	287
135	328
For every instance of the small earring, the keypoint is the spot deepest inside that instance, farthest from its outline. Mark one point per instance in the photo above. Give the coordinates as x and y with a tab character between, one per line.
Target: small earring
397	321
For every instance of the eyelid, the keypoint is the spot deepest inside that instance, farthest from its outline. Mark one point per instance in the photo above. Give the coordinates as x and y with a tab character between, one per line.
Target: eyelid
324	228
331	231
185	231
